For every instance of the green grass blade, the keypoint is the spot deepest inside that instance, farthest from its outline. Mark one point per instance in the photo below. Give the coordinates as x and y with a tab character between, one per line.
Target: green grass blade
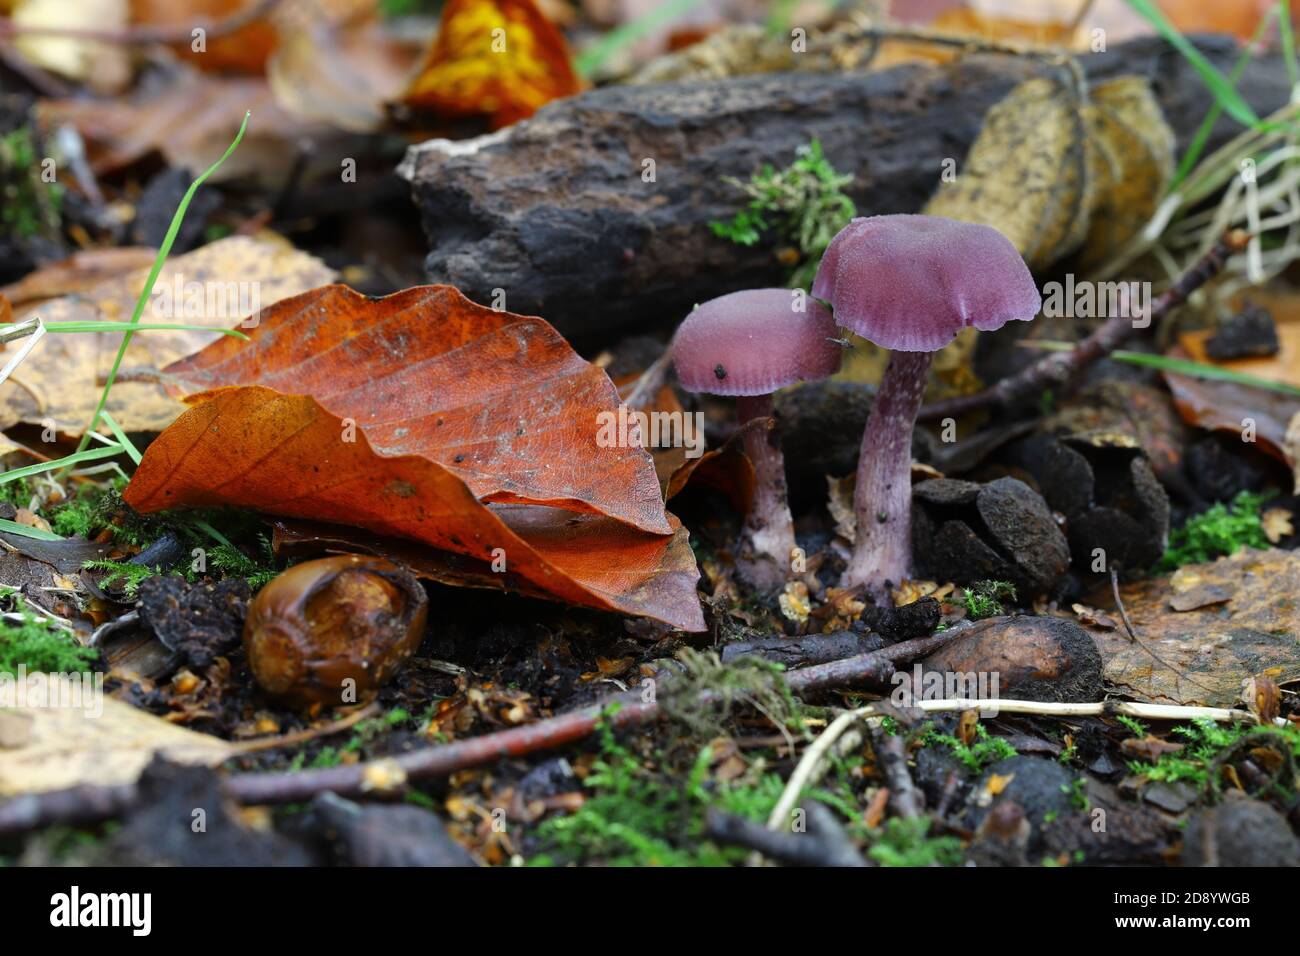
1288	42
213	533
594	56
1166	363
1179	366
80	327
40	534
127	445
145	292
1197	145
76	458
1228	98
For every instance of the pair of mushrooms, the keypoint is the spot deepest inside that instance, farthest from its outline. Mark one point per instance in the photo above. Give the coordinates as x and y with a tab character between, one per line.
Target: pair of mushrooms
907	283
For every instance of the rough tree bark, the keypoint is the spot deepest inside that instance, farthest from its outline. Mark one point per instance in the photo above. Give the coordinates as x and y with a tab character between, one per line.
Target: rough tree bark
556	214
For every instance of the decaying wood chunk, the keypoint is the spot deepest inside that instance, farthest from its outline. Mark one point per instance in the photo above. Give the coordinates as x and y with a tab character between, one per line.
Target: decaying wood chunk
594	213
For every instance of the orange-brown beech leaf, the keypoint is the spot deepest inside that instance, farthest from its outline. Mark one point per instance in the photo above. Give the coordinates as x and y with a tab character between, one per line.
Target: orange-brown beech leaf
500	400
244	50
496	58
474	430
284	454
725	469
615	558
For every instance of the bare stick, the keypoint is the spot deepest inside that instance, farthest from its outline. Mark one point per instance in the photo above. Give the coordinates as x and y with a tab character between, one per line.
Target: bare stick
891	753
1058	369
809	764
276	741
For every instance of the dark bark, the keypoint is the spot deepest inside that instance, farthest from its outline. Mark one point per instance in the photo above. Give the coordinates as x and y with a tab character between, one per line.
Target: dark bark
554	211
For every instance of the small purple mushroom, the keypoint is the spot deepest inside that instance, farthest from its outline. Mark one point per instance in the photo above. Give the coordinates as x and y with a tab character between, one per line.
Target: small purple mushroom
910	284
749	344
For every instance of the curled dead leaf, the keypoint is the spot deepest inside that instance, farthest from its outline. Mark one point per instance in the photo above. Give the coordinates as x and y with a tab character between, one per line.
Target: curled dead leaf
424	416
217	285
496	58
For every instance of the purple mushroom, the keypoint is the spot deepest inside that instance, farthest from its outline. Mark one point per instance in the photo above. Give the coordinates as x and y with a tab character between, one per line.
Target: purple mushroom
749	344
910	284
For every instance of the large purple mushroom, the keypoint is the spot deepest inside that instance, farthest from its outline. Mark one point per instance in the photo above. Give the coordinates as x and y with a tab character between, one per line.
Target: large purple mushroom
749	344
910	284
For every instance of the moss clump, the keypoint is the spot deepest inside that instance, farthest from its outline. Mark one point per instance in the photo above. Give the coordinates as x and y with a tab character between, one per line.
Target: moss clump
128	576
805	202
17	493
232	562
984	599
1222	529
635	815
39	646
29	206
906	841
1205	741
978	754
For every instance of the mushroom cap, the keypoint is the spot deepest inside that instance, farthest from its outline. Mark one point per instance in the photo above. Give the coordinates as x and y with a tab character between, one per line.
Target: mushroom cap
754	342
911	283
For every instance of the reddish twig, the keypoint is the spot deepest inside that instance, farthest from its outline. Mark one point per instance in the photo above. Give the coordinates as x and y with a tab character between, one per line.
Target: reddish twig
1058	369
86	804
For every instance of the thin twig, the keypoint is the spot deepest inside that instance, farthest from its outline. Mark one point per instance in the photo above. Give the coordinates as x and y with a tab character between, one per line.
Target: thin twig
1058	369
808	765
891	753
276	741
646	387
1132	634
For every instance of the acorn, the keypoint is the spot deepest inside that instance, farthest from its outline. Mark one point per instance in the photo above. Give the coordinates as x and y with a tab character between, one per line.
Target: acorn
335	630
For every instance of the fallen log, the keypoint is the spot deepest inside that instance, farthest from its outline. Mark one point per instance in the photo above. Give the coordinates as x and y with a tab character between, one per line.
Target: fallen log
595	213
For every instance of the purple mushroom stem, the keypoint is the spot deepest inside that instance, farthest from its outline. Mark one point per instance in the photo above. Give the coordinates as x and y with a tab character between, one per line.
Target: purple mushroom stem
747	345
882	499
910	284
767	538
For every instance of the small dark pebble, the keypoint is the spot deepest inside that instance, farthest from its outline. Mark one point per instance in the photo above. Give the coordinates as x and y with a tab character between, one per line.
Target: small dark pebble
1250	333
894	624
1240	832
1033	658
200	622
384	834
1041	787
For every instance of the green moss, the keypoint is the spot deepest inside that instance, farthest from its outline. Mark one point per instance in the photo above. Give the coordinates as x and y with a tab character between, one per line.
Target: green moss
129	576
984	750
1078	793
39	646
906	841
641	813
805	203
1205	740
1134	726
29	206
984	598
18	493
232	562
1222	529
